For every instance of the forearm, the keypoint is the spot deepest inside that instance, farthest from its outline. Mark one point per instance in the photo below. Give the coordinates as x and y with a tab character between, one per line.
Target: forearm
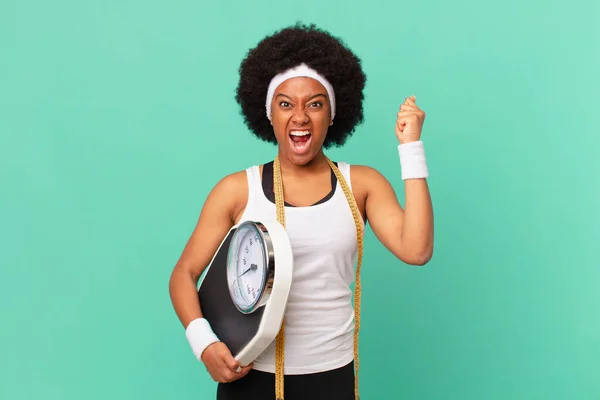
184	296
417	227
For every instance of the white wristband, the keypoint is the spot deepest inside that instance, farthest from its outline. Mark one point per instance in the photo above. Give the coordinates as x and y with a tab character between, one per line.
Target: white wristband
412	160
200	335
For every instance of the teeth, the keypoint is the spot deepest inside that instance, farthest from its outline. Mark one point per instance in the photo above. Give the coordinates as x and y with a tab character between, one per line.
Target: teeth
300	133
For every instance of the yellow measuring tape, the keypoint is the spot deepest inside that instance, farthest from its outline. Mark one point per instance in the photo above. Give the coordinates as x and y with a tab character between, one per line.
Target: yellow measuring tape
279	203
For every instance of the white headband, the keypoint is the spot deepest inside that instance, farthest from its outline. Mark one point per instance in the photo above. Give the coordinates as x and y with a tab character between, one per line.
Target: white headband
300	70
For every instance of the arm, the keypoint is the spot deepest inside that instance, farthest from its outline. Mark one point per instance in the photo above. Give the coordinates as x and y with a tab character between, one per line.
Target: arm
216	218
408	234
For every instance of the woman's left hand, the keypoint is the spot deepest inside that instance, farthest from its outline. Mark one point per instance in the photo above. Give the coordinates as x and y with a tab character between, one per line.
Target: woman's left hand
409	121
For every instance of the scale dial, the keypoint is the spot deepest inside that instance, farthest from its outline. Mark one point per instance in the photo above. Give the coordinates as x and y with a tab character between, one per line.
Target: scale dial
250	267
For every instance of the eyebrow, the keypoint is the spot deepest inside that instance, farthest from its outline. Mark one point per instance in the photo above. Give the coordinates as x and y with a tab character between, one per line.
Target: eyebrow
310	98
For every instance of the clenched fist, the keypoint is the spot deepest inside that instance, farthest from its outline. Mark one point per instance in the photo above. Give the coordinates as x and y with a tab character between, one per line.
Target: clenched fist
221	365
409	121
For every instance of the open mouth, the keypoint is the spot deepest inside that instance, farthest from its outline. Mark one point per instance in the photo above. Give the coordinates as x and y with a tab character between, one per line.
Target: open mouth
300	140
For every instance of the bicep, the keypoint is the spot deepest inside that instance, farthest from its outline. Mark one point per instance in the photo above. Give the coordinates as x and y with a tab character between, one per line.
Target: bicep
214	222
383	210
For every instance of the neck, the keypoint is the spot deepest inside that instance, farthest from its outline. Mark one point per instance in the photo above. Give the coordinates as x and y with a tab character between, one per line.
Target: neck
317	164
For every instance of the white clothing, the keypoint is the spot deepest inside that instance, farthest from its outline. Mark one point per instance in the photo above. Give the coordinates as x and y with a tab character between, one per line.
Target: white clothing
319	318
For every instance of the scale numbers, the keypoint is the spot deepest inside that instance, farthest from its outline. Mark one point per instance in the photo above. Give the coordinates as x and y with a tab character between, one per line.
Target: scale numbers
247	267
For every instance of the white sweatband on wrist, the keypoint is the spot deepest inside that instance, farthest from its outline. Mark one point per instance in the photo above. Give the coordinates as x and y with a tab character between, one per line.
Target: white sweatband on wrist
200	335
412	160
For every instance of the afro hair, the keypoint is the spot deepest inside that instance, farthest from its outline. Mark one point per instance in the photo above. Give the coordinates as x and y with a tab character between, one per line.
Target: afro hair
319	50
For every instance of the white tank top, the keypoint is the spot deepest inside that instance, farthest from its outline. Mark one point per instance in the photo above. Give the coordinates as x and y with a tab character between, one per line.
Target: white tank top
319	318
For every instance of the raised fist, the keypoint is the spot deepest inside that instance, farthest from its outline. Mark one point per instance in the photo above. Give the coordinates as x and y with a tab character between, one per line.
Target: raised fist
409	121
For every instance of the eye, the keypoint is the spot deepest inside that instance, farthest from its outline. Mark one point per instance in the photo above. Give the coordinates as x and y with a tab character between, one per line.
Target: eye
316	104
284	104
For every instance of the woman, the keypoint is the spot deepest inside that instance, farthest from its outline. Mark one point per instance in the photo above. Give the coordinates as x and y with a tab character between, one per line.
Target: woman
301	89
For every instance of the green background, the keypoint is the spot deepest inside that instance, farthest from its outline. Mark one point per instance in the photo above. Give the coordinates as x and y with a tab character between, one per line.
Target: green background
117	118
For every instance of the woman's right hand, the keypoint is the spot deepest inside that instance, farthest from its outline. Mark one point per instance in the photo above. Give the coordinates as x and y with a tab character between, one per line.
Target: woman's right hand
221	365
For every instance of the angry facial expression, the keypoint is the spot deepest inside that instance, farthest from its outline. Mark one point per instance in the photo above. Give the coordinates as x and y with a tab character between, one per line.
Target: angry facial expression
300	115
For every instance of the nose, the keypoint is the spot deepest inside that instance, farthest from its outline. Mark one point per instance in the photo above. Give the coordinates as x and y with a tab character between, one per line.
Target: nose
300	116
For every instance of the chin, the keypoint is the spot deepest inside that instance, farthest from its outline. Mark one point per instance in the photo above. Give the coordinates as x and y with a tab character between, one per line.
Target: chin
300	161
301	155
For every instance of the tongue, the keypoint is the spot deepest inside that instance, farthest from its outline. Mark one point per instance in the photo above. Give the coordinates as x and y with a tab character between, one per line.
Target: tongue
300	139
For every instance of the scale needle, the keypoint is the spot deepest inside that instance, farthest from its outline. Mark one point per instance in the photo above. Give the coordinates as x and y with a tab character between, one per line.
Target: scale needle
252	268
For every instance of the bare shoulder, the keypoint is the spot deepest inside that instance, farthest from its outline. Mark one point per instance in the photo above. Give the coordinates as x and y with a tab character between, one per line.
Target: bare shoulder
366	181
365	172
366	178
234	182
231	193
